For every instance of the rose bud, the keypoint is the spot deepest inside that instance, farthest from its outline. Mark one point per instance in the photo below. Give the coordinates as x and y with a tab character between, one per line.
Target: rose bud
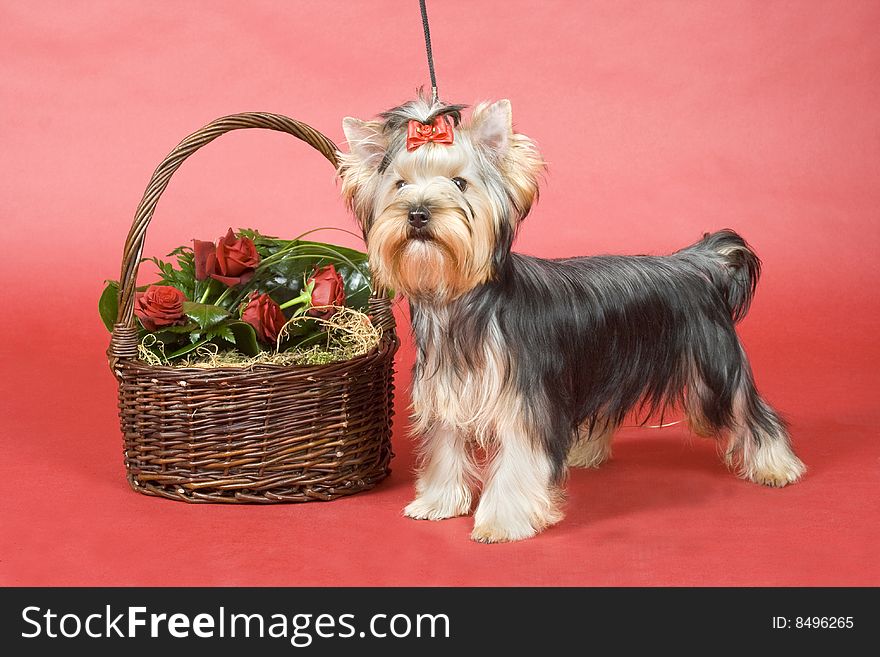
231	262
237	258
265	316
328	291
205	256
158	306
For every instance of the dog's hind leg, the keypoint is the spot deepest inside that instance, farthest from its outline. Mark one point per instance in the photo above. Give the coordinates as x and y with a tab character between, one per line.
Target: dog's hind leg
759	448
701	409
722	400
593	445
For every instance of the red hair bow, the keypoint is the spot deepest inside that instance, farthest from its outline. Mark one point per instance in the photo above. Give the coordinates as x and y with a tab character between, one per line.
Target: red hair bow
419	134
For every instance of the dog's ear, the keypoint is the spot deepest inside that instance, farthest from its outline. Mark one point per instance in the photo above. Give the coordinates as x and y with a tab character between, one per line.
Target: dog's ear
517	156
492	127
359	168
365	140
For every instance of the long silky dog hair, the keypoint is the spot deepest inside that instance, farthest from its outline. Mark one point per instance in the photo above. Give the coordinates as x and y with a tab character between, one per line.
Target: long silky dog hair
539	361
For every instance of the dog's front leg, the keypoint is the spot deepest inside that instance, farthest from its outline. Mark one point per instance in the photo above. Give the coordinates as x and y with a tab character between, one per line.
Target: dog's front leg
445	479
519	498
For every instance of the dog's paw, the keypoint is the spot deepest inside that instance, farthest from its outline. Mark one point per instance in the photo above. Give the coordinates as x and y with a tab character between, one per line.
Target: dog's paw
501	523
772	464
493	533
779	476
424	508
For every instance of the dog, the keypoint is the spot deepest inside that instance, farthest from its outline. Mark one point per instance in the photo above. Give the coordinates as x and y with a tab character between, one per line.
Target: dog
533	363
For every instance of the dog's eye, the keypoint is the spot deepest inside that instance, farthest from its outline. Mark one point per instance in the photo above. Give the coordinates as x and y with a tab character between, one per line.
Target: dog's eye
461	183
400	184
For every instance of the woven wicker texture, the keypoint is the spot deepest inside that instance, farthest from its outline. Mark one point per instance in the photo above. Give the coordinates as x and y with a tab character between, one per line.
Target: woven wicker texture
266	434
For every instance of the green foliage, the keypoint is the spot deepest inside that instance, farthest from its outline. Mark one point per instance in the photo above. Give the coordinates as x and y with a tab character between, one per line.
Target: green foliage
245	338
255	235
180	329
213	309
289	264
204	314
108	304
185	349
184	276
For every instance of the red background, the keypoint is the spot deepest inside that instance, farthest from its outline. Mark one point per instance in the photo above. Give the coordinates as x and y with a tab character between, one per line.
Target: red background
660	120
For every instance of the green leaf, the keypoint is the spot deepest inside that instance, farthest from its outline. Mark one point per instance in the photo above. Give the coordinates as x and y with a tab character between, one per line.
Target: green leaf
254	235
221	331
184	278
289	263
108	304
185	349
170	336
180	250
310	337
187	269
304	327
245	338
183	328
203	314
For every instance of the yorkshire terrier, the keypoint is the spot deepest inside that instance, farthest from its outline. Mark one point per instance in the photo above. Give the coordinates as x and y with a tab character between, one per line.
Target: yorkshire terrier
534	363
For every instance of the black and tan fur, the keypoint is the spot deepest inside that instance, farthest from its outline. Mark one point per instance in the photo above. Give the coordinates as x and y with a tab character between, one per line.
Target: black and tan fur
538	361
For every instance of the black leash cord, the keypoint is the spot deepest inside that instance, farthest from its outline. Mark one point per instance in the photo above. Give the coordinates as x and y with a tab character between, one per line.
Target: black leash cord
434	95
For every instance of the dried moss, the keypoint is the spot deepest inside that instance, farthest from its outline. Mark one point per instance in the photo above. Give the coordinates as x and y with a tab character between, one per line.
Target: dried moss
346	335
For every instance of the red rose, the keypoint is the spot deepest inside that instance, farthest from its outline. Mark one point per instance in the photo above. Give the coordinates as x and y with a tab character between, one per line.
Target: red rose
205	255
265	316
160	305
232	261
329	291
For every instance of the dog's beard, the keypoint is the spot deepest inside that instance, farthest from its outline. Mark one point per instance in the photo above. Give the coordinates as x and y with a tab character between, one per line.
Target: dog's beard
435	265
425	269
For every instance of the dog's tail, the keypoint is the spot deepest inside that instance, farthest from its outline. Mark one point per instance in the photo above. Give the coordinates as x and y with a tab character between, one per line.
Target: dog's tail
735	269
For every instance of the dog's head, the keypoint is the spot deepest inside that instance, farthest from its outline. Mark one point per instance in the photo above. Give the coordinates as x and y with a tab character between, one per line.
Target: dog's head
439	200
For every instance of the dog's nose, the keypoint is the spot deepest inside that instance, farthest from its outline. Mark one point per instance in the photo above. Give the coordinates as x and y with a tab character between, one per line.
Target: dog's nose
418	217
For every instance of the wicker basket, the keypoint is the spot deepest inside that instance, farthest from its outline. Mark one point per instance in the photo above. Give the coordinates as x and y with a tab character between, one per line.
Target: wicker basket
266	434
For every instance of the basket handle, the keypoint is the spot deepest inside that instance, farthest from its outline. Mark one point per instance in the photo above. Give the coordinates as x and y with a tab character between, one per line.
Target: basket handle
124	340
